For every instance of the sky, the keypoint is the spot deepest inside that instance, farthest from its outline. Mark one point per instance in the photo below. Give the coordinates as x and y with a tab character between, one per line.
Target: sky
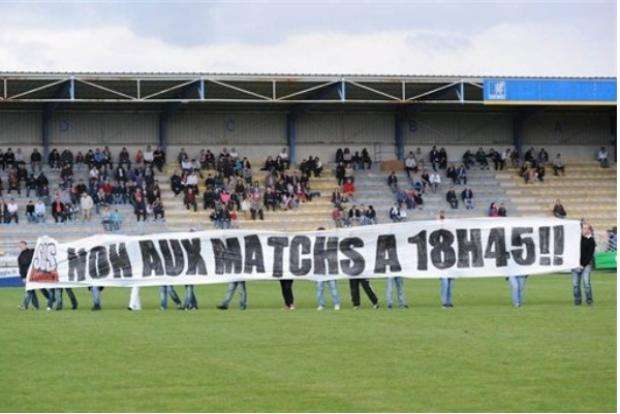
535	38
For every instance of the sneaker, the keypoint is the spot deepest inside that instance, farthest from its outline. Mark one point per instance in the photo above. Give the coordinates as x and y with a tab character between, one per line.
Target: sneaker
404	307
162	308
222	307
389	306
48	309
242	307
445	306
336	307
375	306
96	308
320	308
356	307
292	307
20	307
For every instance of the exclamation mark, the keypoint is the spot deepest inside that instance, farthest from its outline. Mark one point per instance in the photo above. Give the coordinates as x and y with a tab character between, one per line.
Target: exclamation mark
544	233
558	245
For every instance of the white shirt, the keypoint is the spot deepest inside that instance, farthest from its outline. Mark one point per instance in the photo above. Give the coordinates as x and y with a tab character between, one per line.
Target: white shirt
192	179
602	155
435	178
39	209
410	162
186	164
86	202
148	156
284	156
11	207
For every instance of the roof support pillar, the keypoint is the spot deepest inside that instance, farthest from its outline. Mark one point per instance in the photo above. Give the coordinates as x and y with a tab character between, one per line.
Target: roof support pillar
517	131
399	138
291	136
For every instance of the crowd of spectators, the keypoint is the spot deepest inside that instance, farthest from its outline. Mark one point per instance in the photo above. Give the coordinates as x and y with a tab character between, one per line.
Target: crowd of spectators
86	183
230	189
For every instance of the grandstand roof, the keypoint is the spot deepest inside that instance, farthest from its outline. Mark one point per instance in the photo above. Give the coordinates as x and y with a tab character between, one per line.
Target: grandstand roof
271	89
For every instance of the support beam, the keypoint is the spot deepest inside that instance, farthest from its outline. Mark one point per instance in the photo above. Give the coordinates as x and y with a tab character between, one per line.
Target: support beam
291	136
517	131
64	90
399	138
162	130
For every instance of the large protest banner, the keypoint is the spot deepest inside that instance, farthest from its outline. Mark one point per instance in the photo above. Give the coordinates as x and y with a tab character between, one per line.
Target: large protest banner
418	249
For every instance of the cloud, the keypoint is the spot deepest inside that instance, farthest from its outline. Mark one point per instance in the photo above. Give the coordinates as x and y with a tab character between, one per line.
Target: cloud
502	49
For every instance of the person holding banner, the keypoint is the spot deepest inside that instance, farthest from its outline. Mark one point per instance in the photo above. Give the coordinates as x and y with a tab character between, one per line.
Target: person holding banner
287	294
446	283
517	285
333	289
588	245
399	282
96	292
190	302
164	291
134	299
23	261
243	295
55	299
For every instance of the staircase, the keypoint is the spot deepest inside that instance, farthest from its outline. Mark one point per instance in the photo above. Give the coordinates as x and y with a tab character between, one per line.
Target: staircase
586	191
372	189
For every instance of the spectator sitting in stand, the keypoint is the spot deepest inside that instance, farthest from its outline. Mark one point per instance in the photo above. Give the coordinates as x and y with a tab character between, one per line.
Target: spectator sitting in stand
348	188
603	157
558	165
540	172
398	214
501	210
468	159
39	211
392	181
558	210
366	160
481	158
493	210
468	198
451	198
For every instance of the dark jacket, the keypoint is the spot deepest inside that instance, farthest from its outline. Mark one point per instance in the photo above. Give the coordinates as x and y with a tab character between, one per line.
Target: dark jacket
587	250
23	261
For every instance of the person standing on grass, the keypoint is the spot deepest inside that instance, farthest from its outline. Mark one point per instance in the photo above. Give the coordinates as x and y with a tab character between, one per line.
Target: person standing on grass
164	292
96	293
134	299
23	261
446	283
243	295
54	301
517	285
332	285
354	286
399	282
582	273
286	285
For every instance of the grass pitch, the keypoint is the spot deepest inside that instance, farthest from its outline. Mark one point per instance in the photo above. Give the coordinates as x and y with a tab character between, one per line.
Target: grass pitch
482	355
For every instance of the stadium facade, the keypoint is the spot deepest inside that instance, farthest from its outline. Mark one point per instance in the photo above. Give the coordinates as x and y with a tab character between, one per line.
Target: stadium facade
311	114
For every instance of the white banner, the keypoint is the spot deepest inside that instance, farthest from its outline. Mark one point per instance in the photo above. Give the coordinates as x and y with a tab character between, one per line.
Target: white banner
424	249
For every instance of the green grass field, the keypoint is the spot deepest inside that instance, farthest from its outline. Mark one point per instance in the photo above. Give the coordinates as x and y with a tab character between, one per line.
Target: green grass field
482	355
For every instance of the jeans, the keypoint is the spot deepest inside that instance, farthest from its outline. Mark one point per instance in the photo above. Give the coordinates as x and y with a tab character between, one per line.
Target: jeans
243	294
164	291
400	291
333	290
579	274
30	296
55	298
96	292
446	290
190	301
517	284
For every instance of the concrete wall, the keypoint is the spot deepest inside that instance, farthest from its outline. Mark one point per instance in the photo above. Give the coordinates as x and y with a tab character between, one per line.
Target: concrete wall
227	129
257	134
